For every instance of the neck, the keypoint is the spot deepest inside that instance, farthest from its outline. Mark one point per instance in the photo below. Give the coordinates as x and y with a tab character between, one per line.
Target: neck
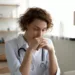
26	37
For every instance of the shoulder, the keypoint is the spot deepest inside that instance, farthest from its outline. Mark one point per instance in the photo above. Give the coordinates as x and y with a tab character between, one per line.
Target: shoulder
12	42
18	41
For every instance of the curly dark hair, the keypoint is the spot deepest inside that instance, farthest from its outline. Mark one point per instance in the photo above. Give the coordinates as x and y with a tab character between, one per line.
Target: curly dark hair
32	14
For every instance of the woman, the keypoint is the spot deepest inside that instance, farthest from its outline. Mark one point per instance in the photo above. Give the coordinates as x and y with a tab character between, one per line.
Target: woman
31	53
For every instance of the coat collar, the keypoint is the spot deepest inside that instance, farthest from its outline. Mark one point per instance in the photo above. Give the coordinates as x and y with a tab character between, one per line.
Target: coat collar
21	42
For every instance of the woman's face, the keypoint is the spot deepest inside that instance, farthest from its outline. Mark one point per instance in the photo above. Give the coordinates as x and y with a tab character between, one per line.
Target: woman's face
36	29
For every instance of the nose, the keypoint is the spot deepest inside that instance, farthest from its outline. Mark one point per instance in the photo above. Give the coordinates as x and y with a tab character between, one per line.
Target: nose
40	33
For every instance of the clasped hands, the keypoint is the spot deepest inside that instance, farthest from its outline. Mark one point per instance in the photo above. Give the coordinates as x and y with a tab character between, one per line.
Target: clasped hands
40	42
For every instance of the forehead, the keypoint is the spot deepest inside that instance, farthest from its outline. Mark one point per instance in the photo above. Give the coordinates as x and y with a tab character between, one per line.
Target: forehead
39	24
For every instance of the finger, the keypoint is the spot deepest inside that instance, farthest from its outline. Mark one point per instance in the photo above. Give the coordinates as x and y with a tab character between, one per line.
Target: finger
44	41
42	45
39	40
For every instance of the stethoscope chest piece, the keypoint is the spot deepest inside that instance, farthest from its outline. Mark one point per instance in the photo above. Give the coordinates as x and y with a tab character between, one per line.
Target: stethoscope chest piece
43	65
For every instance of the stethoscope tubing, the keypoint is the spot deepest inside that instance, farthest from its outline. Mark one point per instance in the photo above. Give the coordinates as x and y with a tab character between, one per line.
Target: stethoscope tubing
42	56
42	65
20	50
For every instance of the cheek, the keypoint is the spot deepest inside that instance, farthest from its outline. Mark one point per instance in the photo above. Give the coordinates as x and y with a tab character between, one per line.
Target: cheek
32	34
35	34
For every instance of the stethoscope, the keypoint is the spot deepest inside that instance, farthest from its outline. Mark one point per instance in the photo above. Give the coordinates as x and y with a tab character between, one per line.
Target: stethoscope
42	65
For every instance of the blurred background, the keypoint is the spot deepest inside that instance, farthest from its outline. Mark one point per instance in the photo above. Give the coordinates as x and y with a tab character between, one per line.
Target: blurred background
62	33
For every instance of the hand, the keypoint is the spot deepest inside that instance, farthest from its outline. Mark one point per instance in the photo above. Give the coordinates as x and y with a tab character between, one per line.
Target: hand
35	43
44	44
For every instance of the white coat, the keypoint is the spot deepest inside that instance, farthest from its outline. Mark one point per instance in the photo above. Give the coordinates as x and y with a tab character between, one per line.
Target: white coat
14	61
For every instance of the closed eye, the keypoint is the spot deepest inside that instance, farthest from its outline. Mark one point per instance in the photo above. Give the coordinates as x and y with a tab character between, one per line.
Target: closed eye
44	29
36	29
